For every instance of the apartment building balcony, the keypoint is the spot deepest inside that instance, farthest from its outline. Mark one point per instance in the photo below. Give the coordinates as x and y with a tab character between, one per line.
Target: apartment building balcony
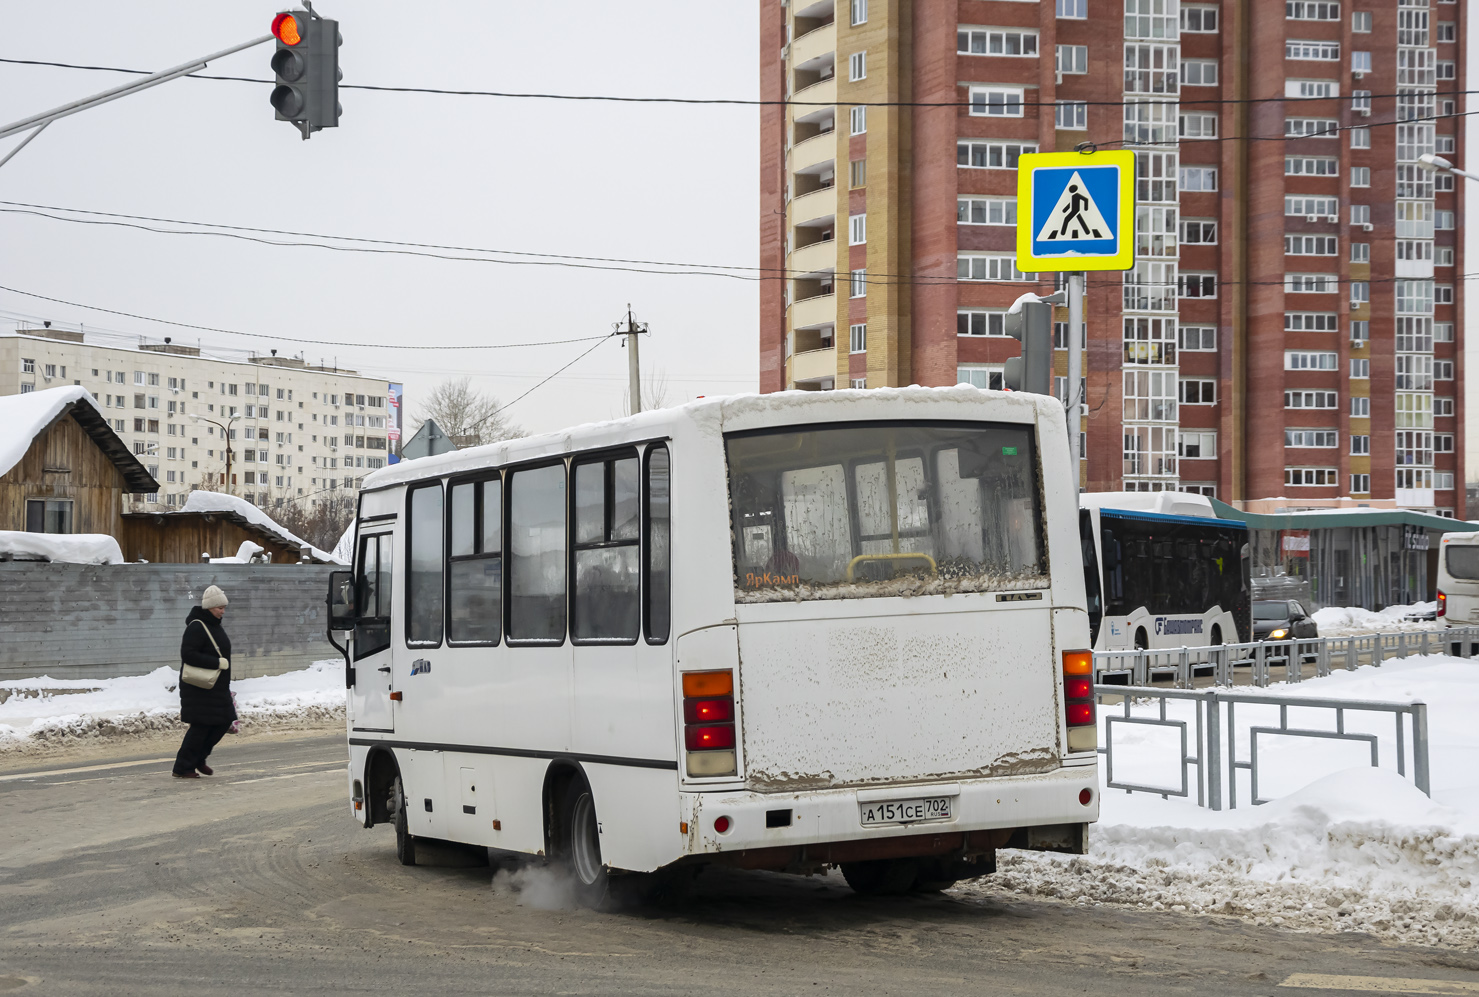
814	368
818	257
815	151
814	176
813	92
815	208
817	309
816	46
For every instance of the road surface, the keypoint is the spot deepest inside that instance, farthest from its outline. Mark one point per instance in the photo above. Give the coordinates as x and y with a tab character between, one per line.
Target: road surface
117	879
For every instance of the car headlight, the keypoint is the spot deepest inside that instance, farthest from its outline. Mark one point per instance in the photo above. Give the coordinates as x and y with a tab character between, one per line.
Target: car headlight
1278	634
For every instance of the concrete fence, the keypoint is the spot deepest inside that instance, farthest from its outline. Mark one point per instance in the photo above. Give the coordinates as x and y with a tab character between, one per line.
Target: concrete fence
99	621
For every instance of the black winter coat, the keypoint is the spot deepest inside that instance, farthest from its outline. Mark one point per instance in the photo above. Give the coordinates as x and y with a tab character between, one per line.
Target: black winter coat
213	705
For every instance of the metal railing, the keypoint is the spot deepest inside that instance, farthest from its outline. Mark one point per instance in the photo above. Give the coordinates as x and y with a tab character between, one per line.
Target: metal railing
1218	764
1286	658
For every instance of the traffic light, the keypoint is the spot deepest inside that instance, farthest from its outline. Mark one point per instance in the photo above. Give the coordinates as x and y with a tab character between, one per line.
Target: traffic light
1032	325
306	67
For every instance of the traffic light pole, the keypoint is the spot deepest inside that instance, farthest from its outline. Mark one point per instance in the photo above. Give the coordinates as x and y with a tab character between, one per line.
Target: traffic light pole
1073	396
37	122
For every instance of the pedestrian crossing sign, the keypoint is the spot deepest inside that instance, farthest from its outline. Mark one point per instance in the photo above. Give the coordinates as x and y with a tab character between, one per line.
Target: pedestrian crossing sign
1076	211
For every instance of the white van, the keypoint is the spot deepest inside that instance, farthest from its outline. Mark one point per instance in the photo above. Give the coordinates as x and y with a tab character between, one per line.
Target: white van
785	632
1458	579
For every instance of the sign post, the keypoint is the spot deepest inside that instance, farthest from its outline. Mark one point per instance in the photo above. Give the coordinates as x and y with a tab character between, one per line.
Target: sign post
1075	212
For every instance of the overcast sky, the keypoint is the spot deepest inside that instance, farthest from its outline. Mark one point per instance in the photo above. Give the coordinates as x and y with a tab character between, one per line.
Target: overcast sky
646	182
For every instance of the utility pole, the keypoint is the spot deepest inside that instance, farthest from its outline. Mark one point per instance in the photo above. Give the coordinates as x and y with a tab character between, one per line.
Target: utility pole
634	367
1072	396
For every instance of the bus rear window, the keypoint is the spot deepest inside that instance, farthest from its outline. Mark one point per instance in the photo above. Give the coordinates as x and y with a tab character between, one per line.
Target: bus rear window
1463	561
880	510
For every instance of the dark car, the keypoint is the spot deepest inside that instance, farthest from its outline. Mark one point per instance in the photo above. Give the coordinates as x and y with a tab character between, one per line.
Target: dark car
1282	619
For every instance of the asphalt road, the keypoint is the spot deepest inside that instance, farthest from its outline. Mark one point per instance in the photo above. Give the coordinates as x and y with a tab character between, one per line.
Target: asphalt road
117	879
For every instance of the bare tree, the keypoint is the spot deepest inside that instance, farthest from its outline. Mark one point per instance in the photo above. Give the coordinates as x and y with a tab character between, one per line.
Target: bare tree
320	520
465	414
654	393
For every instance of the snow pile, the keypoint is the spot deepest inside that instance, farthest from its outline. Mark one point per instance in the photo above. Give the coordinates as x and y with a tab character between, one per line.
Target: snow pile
70	548
244	554
1344	847
204	501
48	710
344	548
1352	620
26	416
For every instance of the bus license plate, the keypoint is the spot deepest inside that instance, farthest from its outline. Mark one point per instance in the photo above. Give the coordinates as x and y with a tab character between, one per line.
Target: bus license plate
906	811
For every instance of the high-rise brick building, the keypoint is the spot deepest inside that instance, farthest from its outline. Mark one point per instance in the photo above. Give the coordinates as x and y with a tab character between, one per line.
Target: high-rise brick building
1292	333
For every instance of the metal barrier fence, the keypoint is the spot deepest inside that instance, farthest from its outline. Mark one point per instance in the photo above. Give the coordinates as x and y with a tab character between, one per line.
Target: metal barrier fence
1206	749
1290	657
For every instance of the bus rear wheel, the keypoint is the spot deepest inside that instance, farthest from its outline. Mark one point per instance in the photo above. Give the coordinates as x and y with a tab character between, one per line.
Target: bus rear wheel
881	877
405	841
580	851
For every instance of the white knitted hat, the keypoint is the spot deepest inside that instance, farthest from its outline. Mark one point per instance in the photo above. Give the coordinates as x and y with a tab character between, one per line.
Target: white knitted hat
212	598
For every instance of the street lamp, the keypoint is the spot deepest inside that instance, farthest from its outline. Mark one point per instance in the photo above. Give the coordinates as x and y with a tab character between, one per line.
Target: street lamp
225	437
1438	164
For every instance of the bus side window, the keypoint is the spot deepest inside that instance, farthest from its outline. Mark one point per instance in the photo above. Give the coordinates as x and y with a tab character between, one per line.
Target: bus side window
372	596
475	568
424	593
536	555
605	605
657	547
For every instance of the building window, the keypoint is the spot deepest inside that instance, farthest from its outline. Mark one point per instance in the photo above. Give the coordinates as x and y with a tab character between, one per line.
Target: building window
1442	294
1443	221
998	268
1310	476
1442	406
1310	245
857	173
858	283
857	67
1447	70
1072	59
48	515
1310	283
995	41
1312	51
1442	332
1446	31
1071	115
1197	19
1310	399
857	338
1361	101
1309	360
1361	22
1309	437
1198	232
1197	445
859	12
977	322
1195	391
1443	370
1360	138
1442	443
1075	9
1311	89
27	387
1197	178
1304	10
1313	166
1197	126
857	382
986	211
1443	256
991	155
857	229
1360	407
1360	292
28	366
858	118
1199	73
1360	484
996	102
1312	208
1360	446
1196	285
980	377
1311	127
1361	215
1198	338
1360	252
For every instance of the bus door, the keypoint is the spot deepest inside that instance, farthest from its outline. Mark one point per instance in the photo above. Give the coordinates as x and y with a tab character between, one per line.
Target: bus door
369	696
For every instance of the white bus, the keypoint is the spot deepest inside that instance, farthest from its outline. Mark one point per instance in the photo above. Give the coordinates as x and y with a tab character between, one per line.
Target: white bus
1162	571
1458	579
785	632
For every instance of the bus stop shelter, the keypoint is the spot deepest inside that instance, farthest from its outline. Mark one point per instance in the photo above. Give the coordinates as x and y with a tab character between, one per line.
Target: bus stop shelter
1372	558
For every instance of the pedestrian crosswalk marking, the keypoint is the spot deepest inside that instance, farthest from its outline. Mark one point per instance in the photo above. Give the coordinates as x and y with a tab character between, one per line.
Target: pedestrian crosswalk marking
1075	217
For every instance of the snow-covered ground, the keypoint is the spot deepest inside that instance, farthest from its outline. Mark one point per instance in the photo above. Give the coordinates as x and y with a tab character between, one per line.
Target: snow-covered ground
49	711
1344	847
1352	620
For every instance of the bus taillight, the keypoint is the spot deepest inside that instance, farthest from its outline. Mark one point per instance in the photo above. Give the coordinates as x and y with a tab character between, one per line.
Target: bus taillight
708	723
1078	700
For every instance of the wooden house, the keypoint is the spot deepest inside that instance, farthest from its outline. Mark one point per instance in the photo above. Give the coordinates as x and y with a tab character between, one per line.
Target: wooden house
62	467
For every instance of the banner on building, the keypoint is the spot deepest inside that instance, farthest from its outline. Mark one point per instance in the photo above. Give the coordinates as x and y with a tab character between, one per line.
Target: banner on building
393	422
1296	543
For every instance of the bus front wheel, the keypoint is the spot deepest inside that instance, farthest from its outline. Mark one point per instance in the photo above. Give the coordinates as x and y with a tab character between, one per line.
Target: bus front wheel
405	841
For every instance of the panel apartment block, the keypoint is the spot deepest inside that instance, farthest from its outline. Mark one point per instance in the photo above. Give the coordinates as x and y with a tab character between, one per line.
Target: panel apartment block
1292	333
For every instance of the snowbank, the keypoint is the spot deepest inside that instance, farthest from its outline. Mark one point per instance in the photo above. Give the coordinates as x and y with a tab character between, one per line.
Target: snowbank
1352	620
25	416
244	554
204	501
1342	848
50	710
71	548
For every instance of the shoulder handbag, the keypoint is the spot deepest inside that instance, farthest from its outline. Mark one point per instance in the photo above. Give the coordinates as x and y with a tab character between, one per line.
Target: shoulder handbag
203	678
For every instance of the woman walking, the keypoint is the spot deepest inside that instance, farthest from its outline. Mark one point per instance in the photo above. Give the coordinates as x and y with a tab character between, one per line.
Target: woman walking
205	684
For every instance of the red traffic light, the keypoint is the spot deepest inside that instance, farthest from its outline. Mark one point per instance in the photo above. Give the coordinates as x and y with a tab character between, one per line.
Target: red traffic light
285	28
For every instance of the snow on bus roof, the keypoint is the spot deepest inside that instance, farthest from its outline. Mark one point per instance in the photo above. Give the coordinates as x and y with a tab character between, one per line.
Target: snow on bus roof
730	411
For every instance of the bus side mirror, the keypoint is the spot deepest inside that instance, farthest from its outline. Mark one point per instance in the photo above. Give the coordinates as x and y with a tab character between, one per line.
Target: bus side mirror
341	600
